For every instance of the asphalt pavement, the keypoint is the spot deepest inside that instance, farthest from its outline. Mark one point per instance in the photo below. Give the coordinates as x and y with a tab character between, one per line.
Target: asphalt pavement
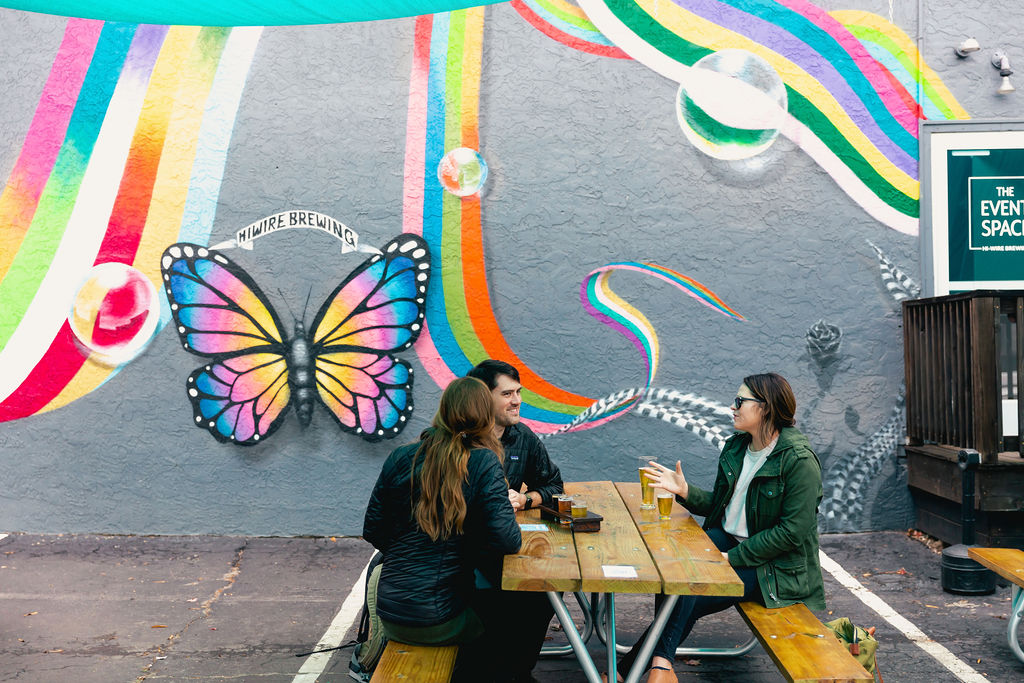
122	609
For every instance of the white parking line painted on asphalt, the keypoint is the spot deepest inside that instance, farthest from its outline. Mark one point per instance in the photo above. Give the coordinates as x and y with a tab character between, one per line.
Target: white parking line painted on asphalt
315	664
956	665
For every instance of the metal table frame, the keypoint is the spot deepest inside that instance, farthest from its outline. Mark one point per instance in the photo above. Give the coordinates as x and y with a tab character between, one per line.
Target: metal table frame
1016	615
602	616
599	617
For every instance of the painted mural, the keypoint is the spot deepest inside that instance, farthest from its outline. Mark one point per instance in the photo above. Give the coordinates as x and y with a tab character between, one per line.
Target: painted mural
259	371
136	148
124	155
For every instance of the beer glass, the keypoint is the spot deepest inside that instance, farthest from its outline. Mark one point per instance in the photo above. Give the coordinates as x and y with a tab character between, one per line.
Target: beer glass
665	505
564	502
646	492
579	507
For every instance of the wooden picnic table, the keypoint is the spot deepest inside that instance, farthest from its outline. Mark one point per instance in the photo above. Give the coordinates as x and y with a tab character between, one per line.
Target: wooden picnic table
1009	564
634	552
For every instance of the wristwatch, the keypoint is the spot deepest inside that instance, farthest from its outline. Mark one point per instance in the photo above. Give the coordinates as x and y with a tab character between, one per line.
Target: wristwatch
529	501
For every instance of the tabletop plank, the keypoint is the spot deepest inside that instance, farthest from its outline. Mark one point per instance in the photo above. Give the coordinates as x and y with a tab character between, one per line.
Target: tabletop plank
689	563
617	544
546	561
1007	562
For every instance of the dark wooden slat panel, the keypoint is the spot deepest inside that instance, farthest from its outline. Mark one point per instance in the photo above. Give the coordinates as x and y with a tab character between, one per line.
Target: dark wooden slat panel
1020	372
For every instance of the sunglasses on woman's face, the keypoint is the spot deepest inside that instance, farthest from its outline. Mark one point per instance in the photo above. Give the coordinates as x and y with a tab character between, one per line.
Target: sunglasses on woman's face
740	400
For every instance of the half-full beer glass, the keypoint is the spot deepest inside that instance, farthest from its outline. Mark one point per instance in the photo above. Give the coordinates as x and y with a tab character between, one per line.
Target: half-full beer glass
665	505
564	502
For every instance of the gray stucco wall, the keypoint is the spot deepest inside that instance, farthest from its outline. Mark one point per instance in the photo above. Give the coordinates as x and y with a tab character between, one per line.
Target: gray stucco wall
587	166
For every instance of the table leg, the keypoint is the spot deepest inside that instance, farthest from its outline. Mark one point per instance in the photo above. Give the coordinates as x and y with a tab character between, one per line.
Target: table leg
610	644
660	620
569	628
1016	614
588	630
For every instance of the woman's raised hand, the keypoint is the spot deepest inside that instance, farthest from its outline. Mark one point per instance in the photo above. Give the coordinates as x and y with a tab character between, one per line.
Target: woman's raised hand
663	478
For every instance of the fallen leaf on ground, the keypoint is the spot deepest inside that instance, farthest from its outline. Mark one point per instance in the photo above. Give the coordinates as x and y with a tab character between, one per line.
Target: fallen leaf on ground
159	626
692	662
28	614
932	606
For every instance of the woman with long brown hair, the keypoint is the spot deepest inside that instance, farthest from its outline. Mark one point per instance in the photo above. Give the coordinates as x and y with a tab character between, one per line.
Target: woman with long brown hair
439	511
761	514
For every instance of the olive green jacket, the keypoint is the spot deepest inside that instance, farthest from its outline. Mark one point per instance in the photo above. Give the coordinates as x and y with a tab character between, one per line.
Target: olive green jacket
782	517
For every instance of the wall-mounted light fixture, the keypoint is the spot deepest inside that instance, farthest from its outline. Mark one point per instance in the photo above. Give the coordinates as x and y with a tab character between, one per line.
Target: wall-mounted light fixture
966	46
1002	62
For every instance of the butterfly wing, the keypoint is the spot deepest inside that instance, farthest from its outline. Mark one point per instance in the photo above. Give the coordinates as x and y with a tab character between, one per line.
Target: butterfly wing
378	309
242	399
217	307
367	393
220	312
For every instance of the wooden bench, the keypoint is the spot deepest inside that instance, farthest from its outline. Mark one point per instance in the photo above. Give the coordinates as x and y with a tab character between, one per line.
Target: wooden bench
1009	564
801	646
403	663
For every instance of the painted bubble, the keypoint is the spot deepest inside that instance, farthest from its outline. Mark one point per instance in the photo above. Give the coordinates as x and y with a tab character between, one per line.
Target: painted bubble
731	104
462	171
114	313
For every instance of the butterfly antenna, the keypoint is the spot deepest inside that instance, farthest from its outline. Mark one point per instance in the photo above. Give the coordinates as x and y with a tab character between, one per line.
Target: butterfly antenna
288	305
306	305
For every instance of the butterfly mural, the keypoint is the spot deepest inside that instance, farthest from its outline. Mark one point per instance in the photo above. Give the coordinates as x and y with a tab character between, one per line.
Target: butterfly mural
344	361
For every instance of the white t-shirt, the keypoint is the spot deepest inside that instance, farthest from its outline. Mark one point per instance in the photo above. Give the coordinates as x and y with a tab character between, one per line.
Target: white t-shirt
735	521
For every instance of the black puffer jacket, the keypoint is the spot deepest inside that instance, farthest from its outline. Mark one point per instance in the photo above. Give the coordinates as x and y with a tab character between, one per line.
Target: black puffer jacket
527	462
425	582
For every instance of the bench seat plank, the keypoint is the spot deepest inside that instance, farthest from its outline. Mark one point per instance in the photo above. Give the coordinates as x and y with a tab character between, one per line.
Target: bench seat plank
689	563
803	648
1006	562
403	663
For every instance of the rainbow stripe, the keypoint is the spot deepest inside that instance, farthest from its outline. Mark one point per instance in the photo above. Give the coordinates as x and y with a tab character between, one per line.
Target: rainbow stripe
106	171
601	302
567	24
846	109
896	52
460	328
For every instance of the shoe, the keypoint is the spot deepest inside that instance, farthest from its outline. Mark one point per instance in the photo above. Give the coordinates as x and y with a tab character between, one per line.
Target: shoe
659	674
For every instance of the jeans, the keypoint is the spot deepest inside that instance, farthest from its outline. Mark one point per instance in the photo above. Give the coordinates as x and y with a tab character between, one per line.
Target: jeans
690	608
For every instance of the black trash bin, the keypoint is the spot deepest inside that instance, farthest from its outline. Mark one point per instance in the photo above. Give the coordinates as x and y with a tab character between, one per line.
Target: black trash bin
961	574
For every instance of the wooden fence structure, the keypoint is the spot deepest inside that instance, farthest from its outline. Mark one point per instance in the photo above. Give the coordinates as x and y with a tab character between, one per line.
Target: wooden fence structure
963	355
955	385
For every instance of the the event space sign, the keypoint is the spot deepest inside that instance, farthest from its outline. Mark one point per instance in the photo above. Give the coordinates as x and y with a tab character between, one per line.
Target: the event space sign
973	209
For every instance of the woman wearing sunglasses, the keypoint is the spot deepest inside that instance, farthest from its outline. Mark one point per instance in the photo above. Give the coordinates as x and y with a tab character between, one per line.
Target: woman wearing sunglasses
761	513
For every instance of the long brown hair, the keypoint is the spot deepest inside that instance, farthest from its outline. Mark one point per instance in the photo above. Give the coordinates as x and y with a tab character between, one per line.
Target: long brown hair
779	407
464	420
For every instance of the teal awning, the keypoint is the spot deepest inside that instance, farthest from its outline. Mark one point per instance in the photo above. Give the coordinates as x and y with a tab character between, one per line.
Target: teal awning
240	12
